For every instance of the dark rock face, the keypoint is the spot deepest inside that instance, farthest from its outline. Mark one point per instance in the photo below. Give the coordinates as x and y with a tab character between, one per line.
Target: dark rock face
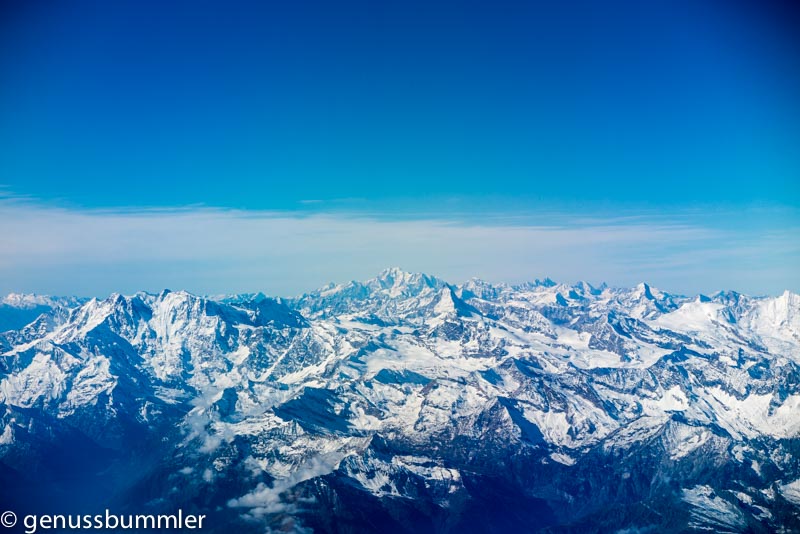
405	404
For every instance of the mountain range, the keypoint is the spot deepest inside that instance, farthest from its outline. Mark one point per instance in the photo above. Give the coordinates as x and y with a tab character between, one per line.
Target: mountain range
408	404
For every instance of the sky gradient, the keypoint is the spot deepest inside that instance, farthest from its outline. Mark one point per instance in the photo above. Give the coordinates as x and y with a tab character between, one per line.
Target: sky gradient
496	119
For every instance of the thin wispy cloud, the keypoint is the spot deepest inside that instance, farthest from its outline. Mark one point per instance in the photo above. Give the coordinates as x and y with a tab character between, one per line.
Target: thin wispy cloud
56	249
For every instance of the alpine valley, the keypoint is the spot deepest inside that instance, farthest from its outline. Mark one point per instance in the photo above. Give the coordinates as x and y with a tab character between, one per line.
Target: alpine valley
407	404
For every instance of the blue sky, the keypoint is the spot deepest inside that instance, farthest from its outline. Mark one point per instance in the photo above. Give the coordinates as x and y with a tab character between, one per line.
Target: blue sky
487	117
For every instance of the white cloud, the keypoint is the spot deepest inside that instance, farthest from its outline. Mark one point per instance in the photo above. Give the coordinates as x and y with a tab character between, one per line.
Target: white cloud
278	500
93	252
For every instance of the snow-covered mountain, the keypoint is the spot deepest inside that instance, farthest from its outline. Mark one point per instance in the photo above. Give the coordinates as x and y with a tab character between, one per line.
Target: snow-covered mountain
405	403
17	310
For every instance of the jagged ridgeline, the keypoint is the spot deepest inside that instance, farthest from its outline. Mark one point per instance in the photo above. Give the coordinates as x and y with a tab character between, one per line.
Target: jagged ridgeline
406	404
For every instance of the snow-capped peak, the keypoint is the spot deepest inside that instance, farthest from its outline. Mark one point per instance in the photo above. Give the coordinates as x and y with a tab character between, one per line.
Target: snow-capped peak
398	282
32	300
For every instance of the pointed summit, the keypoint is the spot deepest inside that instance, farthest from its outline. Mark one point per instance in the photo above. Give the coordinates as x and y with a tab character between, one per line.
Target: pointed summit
447	302
585	288
643	290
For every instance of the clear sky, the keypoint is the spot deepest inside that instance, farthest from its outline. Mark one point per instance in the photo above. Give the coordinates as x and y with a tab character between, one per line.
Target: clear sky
668	131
